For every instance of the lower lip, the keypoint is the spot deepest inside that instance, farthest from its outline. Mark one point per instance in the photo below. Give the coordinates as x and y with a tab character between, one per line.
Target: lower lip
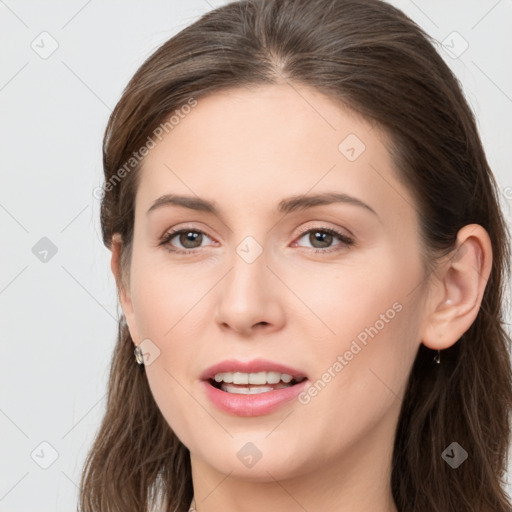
252	405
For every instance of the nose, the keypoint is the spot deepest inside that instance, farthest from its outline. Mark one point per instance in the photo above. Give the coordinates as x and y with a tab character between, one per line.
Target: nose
250	298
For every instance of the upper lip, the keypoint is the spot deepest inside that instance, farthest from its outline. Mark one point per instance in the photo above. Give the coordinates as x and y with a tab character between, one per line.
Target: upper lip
252	366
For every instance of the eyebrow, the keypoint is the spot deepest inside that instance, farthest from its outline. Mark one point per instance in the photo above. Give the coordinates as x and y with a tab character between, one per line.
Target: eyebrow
288	205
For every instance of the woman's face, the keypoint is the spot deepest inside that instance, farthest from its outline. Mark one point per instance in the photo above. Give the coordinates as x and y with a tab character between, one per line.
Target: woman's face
263	280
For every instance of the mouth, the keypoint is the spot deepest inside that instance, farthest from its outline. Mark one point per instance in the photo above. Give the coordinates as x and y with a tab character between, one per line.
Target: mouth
252	388
253	383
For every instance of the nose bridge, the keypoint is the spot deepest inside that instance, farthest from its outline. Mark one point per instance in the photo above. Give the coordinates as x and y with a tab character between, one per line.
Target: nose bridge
249	269
248	293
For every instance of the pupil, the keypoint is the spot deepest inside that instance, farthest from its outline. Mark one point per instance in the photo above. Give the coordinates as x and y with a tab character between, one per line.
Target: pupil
319	236
188	240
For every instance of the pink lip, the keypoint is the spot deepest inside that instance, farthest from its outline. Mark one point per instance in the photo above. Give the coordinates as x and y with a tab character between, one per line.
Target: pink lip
251	405
254	366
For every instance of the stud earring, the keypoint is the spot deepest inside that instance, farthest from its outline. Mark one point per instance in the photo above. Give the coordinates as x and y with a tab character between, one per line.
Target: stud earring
139	356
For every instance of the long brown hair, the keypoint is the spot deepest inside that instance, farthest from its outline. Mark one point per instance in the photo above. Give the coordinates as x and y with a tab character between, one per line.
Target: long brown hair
370	57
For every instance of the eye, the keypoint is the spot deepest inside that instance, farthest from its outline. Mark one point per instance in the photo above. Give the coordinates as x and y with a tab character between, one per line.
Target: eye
189	238
324	236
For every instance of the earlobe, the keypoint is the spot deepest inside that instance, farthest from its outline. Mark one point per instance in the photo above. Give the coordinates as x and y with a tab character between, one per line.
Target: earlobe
460	284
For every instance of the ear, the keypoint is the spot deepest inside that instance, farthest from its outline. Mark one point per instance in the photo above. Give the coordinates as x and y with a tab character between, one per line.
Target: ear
458	288
123	292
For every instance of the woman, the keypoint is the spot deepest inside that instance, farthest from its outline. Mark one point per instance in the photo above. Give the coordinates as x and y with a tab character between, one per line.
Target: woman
310	257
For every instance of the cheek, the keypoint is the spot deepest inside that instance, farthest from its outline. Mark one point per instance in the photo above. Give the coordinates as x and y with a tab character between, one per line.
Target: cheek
167	306
162	296
345	299
358	386
373	323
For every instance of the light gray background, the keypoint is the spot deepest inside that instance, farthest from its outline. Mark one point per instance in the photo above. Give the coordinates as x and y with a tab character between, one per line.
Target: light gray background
59	317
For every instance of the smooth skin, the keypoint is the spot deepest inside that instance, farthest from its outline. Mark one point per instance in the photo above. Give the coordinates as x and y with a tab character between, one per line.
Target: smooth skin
245	150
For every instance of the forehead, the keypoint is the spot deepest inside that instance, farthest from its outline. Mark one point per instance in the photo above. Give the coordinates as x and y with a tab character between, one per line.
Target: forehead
260	144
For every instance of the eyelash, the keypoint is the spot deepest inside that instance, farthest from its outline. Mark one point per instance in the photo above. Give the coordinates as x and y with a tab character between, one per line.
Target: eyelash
347	241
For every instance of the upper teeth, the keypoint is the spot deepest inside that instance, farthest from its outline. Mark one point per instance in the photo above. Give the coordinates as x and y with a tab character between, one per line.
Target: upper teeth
253	378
